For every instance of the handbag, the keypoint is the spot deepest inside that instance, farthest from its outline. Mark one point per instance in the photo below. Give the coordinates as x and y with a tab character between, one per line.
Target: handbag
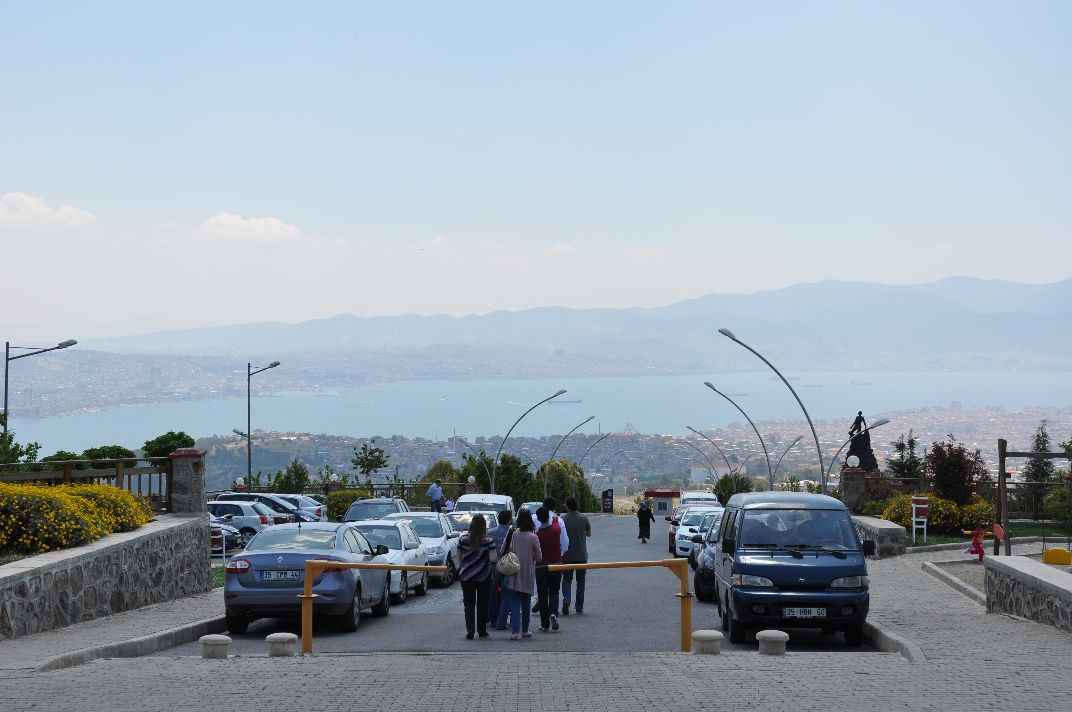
508	564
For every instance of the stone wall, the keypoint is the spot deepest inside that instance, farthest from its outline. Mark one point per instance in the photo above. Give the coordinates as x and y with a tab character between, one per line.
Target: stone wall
889	538
1030	589
162	561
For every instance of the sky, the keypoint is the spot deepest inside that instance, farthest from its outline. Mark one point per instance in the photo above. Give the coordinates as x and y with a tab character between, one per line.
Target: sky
195	163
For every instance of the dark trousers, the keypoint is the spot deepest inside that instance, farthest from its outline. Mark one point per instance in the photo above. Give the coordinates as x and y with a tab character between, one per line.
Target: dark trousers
547	585
567	584
475	600
437	505
496	597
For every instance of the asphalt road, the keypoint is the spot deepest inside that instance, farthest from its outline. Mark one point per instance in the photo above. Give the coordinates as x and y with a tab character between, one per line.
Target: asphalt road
625	610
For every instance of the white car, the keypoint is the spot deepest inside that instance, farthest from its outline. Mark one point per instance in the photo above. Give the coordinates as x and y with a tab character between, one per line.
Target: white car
439	538
493	503
307	505
405	548
249	518
687	527
531	506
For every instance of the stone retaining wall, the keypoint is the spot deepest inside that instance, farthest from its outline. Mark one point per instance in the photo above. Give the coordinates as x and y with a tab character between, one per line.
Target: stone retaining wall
162	561
889	538
1030	589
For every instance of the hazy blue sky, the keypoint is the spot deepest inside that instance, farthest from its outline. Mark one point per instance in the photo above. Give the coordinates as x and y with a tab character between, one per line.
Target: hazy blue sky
224	161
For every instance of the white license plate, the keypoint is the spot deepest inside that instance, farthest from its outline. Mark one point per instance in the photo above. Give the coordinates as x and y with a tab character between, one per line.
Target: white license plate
280	575
804	613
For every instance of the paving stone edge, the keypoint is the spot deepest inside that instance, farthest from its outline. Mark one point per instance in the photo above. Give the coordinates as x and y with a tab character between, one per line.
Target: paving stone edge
885	640
988	545
136	647
953	582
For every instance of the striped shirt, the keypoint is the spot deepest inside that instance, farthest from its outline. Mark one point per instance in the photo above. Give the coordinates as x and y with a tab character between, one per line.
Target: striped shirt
476	566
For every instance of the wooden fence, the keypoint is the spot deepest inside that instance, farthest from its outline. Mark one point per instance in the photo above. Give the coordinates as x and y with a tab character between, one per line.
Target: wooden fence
149	477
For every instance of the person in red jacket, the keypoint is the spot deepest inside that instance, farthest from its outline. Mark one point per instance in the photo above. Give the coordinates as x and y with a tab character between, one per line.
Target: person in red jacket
977	540
548	583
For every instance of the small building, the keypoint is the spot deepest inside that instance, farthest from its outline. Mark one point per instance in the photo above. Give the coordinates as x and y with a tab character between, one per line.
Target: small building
662	499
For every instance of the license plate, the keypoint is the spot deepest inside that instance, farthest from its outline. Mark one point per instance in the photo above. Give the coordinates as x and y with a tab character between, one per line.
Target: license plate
804	613
280	575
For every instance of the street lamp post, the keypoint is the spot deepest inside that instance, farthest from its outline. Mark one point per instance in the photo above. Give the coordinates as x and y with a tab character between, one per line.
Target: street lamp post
250	373
555	451
33	351
877	424
495	462
770	473
779	463
713	444
601	439
491	478
818	448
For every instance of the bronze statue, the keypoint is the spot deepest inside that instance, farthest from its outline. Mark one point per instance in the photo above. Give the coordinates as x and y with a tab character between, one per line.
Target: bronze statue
859	425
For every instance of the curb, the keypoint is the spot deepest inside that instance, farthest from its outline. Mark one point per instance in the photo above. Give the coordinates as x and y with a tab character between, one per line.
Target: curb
987	544
136	647
953	582
886	641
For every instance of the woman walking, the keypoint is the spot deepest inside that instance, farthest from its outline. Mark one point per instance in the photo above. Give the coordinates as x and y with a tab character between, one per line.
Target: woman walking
644	514
526	546
475	574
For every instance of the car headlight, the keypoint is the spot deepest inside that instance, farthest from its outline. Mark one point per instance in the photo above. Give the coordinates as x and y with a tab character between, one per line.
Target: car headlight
750	580
851	582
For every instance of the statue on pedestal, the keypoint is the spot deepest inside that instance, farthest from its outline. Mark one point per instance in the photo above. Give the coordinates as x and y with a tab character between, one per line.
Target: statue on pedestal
860	444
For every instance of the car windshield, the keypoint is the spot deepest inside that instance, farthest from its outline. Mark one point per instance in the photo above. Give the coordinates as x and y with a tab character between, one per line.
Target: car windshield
277	538
826	528
426	526
386	535
461	521
477	507
369	510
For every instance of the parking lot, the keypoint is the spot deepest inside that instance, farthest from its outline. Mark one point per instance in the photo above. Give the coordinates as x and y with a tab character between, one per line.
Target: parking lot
625	610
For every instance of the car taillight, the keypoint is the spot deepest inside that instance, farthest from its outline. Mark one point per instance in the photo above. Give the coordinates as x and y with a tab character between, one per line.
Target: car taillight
237	566
333	569
319	512
264	519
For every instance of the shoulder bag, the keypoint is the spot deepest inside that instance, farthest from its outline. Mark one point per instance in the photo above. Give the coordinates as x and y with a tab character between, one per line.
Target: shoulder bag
508	564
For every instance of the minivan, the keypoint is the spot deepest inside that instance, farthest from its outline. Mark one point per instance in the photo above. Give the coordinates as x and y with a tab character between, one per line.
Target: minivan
493	503
790	560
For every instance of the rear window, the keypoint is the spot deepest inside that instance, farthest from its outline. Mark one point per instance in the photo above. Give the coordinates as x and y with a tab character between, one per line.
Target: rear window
261	509
273	538
477	507
426	526
389	536
369	510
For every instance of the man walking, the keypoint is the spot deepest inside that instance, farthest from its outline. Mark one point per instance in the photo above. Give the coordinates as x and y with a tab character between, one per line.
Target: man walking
435	493
578	529
563	543
548	582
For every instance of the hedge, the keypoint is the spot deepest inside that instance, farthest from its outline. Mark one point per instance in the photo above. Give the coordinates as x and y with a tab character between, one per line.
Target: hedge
943	515
39	518
340	500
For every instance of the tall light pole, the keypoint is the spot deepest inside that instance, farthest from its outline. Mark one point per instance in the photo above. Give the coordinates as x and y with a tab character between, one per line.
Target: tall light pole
33	351
818	448
250	373
877	424
555	451
491	478
601	439
779	463
495	462
714	445
770	472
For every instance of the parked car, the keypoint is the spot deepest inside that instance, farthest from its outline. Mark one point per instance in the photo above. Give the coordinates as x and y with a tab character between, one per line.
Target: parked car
265	580
686	526
791	559
710	521
493	503
531	507
461	520
289	512
306	504
704	572
248	517
440	541
675	521
223	537
404	547
374	509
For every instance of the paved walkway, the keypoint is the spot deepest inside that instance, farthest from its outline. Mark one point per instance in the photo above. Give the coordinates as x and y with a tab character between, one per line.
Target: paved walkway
974	662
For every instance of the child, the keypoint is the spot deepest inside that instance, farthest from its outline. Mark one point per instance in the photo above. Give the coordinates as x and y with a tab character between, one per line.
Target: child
977	540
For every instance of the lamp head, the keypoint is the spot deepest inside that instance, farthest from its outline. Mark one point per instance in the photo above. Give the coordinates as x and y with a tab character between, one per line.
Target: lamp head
591	417
852	461
333	477
65	344
239	482
880	421
796	440
711	386
559	392
273	364
727	333
238	432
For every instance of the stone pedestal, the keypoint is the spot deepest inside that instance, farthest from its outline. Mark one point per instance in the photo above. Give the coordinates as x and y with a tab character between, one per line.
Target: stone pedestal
772	642
853	487
282	645
706	642
188	481
214	647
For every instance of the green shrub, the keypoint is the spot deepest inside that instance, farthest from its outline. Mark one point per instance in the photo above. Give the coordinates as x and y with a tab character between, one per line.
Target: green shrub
943	515
340	500
35	519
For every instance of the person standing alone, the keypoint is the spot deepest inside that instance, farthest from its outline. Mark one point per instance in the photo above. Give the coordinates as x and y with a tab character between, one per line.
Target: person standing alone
646	517
435	493
578	528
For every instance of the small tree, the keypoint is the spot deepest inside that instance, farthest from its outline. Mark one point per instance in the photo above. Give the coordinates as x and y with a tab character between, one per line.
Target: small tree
169	442
905	464
11	451
1039	469
955	470
729	485
294	479
110	452
369	460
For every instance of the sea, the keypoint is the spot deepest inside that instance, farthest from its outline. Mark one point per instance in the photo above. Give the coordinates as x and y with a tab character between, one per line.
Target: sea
652	404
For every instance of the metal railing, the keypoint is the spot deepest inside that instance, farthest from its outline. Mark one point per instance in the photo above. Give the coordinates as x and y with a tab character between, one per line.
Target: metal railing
152	481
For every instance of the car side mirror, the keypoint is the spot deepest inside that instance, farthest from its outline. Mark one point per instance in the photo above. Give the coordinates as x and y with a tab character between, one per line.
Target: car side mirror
382	550
697	539
869	547
729	546
454	535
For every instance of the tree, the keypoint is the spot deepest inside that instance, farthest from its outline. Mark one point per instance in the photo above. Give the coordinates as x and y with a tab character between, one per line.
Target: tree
728	485
442	470
368	460
165	444
955	470
1039	469
11	451
110	452
294	479
906	464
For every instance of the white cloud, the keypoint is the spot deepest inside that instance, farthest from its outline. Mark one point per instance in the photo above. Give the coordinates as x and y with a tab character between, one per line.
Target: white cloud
562	248
438	250
29	212
646	256
235	228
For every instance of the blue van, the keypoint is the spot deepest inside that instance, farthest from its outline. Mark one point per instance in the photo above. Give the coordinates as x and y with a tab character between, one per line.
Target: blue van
790	560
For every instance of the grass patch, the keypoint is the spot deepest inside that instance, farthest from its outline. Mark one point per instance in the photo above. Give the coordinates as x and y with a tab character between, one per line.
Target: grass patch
218	576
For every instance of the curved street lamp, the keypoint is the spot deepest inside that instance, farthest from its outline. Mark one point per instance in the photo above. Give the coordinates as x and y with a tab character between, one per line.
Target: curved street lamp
770	472
779	464
713	444
33	351
711	467
818	448
250	373
555	451
877	424
491	478
601	439
495	462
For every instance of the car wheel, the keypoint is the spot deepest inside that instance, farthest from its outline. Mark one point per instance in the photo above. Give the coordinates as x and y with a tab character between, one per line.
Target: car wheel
692	562
736	627
701	592
384	606
448	578
247	534
403	590
350	620
237	624
422	588
854	636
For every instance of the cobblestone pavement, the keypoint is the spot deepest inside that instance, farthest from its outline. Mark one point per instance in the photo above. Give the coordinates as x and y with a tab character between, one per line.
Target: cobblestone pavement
974	662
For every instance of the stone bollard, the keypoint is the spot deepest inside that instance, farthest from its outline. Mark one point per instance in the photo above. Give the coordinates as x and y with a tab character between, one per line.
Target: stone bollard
214	647
282	645
706	642
772	642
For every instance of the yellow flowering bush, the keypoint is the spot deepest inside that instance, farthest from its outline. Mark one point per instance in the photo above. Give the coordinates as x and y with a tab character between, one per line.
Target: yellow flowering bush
943	515
121	505
36	519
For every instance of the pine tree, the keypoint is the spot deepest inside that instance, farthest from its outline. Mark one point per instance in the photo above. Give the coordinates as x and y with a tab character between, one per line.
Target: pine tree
1039	469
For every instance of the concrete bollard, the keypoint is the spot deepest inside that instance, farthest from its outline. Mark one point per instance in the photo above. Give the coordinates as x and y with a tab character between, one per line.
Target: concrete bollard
214	647
772	642
706	642
282	645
